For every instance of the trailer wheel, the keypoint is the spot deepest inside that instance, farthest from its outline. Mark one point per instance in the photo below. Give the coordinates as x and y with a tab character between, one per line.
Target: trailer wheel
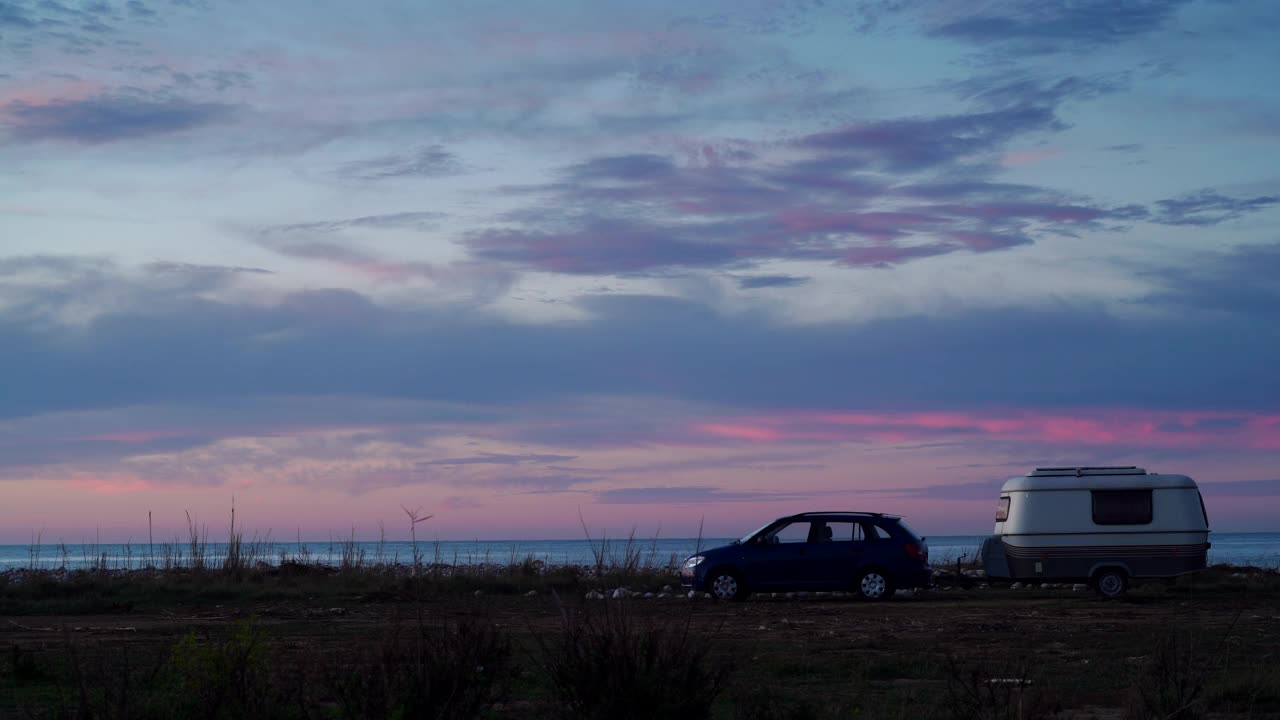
1111	582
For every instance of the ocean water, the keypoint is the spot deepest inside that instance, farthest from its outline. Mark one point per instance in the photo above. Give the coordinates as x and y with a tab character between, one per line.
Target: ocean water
1257	549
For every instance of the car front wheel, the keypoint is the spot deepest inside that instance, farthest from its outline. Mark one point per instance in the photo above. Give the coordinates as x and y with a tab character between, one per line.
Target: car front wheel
726	585
874	585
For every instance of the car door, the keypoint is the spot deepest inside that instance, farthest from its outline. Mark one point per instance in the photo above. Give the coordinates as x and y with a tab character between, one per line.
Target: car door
878	550
833	558
774	560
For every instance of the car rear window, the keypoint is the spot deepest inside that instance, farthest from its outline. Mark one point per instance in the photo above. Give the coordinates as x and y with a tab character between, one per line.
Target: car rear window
907	529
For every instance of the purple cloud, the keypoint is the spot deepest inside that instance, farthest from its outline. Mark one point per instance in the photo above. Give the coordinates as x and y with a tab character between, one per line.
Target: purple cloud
407	220
1208	207
599	246
108	118
914	144
432	161
1241	488
695	496
501	459
1042	27
770	281
823	196
982	490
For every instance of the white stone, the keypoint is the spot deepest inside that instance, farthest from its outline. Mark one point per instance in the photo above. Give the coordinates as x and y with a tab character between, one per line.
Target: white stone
649	595
1016	586
619	594
667	589
531	593
1079	586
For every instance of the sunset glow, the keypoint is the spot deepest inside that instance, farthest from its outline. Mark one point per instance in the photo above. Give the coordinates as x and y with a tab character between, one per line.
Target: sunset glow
656	266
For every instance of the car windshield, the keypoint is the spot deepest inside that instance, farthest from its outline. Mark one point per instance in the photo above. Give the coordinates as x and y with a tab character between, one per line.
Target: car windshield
755	532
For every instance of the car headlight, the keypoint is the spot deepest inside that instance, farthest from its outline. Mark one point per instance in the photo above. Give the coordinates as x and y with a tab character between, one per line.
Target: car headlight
692	562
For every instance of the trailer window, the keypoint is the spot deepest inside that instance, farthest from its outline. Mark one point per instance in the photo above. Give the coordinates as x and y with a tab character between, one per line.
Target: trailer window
1002	510
1122	507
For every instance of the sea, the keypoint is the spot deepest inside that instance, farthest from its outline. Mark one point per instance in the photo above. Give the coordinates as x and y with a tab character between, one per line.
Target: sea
1252	549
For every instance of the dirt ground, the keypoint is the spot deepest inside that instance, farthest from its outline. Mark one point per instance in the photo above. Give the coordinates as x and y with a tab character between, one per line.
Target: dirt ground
1067	651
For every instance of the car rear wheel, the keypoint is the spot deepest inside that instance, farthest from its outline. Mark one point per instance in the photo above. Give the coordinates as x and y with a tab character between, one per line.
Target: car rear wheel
726	585
874	585
1111	582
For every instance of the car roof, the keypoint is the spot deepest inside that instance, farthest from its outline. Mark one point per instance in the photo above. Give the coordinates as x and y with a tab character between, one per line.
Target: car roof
843	513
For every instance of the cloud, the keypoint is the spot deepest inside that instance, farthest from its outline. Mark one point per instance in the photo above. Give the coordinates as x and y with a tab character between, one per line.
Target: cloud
1045	27
431	161
1040	428
1241	488
987	490
770	281
874	193
108	118
913	144
502	459
598	246
1238	282
196	269
1208	207
13	16
418	220
694	496
348	257
1003	91
139	9
168	341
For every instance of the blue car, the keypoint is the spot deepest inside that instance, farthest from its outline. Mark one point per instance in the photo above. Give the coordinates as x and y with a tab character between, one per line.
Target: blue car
870	554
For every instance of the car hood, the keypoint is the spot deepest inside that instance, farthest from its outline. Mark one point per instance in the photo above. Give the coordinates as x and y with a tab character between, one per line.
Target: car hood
719	550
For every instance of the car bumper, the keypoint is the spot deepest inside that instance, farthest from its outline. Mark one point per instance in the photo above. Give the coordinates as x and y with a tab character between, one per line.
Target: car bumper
917	579
690	578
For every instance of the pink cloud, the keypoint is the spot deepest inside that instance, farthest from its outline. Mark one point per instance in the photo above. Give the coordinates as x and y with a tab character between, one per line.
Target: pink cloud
741	432
136	437
1086	427
112	486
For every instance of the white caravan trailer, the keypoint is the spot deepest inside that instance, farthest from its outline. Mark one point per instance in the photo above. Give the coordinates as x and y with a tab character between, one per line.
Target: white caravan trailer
1103	525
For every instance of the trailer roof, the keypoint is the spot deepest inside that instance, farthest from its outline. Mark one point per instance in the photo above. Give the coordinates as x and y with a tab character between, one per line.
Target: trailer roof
1093	481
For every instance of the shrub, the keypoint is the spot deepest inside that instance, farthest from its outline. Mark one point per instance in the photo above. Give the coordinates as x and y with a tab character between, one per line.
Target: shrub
995	690
609	664
429	671
1171	684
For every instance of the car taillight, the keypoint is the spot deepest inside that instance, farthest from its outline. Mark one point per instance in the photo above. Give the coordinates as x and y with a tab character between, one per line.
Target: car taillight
914	551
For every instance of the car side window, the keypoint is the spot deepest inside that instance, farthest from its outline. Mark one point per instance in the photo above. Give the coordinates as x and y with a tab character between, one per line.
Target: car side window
875	532
844	531
796	532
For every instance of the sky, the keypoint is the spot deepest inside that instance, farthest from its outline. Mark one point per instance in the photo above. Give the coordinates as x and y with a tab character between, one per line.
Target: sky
655	266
